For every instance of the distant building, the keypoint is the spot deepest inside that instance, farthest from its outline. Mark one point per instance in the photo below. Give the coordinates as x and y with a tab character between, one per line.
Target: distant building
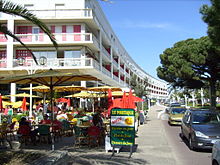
87	44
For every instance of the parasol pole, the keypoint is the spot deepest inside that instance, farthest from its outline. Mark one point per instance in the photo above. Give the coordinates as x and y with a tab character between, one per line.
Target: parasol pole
52	110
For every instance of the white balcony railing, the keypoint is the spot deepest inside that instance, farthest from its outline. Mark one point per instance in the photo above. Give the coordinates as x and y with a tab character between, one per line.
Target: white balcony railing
58	13
106	72
55	63
60	37
105	53
115	78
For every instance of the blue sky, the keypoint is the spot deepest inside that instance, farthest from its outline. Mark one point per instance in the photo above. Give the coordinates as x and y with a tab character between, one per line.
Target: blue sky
147	27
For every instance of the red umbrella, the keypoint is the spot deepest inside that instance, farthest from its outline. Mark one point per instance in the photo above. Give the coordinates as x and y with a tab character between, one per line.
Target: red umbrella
24	105
124	100
130	103
137	99
117	103
62	100
68	102
110	102
1	106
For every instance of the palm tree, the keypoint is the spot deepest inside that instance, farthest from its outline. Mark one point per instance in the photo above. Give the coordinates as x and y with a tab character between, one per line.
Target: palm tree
11	8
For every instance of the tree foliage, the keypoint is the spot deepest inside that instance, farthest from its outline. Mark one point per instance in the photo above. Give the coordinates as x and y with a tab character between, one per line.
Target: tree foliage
191	63
11	8
211	16
139	89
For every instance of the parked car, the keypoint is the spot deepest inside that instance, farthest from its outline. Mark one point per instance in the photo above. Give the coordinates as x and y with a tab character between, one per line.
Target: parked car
216	153
201	128
175	115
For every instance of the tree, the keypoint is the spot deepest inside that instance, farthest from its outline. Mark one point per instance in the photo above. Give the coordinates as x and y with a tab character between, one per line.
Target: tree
8	7
211	16
139	89
191	64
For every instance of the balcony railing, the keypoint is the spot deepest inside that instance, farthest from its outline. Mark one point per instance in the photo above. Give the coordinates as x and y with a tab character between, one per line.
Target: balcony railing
59	13
55	63
106	72
105	53
60	37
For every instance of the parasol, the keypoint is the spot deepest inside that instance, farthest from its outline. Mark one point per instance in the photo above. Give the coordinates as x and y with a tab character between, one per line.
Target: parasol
104	89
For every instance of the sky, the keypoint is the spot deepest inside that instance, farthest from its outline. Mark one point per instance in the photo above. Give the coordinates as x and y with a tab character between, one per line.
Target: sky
146	28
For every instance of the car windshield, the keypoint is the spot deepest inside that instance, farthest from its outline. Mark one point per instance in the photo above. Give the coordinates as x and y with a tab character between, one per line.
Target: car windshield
178	110
175	105
206	118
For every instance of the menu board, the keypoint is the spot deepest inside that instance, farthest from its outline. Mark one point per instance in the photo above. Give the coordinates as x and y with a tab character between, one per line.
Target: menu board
122	130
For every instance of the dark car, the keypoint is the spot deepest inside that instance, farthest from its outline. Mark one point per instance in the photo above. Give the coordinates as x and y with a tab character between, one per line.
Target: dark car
201	128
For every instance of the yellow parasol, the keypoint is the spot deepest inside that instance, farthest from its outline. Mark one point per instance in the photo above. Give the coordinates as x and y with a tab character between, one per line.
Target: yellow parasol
6	103
23	95
5	97
85	94
18	104
41	88
69	88
104	89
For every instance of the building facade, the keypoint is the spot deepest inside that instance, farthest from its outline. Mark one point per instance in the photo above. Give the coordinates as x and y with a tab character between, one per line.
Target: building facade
87	44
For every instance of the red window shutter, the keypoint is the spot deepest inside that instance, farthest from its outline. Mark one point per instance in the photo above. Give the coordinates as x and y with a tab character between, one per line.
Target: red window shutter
77	28
64	31
53	28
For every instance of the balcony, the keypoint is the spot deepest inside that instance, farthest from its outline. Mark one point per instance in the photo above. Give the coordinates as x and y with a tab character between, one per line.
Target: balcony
59	14
106	72
106	54
62	38
58	63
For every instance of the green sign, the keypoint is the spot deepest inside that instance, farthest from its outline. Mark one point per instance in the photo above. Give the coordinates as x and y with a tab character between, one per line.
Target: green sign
122	130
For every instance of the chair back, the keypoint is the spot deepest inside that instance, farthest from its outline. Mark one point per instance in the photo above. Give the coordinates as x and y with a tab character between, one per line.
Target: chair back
24	130
94	131
44	129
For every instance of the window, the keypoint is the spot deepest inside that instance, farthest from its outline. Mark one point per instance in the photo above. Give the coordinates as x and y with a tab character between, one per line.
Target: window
72	54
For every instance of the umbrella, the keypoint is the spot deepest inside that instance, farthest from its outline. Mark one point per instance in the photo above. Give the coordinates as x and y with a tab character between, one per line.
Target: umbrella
124	100
5	97
130	103
48	78
18	104
110	102
85	94
68	88
1	104
5	103
40	88
23	95
62	100
104	89
24	105
68	102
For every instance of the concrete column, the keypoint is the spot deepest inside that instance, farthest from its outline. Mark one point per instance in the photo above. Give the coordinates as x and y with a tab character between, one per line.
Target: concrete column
13	92
83	84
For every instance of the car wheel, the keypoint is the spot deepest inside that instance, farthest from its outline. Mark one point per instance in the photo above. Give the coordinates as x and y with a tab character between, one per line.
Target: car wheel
190	144
214	162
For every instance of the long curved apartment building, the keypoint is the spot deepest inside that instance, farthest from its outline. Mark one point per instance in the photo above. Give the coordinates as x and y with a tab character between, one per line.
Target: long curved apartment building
87	43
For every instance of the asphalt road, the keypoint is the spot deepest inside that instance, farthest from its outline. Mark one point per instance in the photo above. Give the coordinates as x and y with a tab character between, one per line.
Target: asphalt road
179	146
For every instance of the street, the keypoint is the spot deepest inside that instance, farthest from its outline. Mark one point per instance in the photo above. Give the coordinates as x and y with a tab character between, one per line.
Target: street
179	147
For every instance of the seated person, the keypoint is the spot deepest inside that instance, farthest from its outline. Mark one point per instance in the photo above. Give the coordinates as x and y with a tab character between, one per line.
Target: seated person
46	120
25	129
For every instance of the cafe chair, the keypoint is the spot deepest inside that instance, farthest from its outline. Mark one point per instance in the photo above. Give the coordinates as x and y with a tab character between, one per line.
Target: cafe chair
94	134
24	134
44	133
79	137
66	128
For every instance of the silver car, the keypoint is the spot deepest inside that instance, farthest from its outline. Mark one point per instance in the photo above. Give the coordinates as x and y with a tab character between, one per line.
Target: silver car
216	153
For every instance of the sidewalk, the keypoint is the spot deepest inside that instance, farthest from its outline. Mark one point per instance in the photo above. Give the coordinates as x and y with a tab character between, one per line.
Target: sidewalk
151	148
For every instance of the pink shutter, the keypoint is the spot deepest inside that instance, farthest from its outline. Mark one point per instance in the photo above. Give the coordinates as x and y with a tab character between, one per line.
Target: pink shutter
77	29
41	35
64	32
29	32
